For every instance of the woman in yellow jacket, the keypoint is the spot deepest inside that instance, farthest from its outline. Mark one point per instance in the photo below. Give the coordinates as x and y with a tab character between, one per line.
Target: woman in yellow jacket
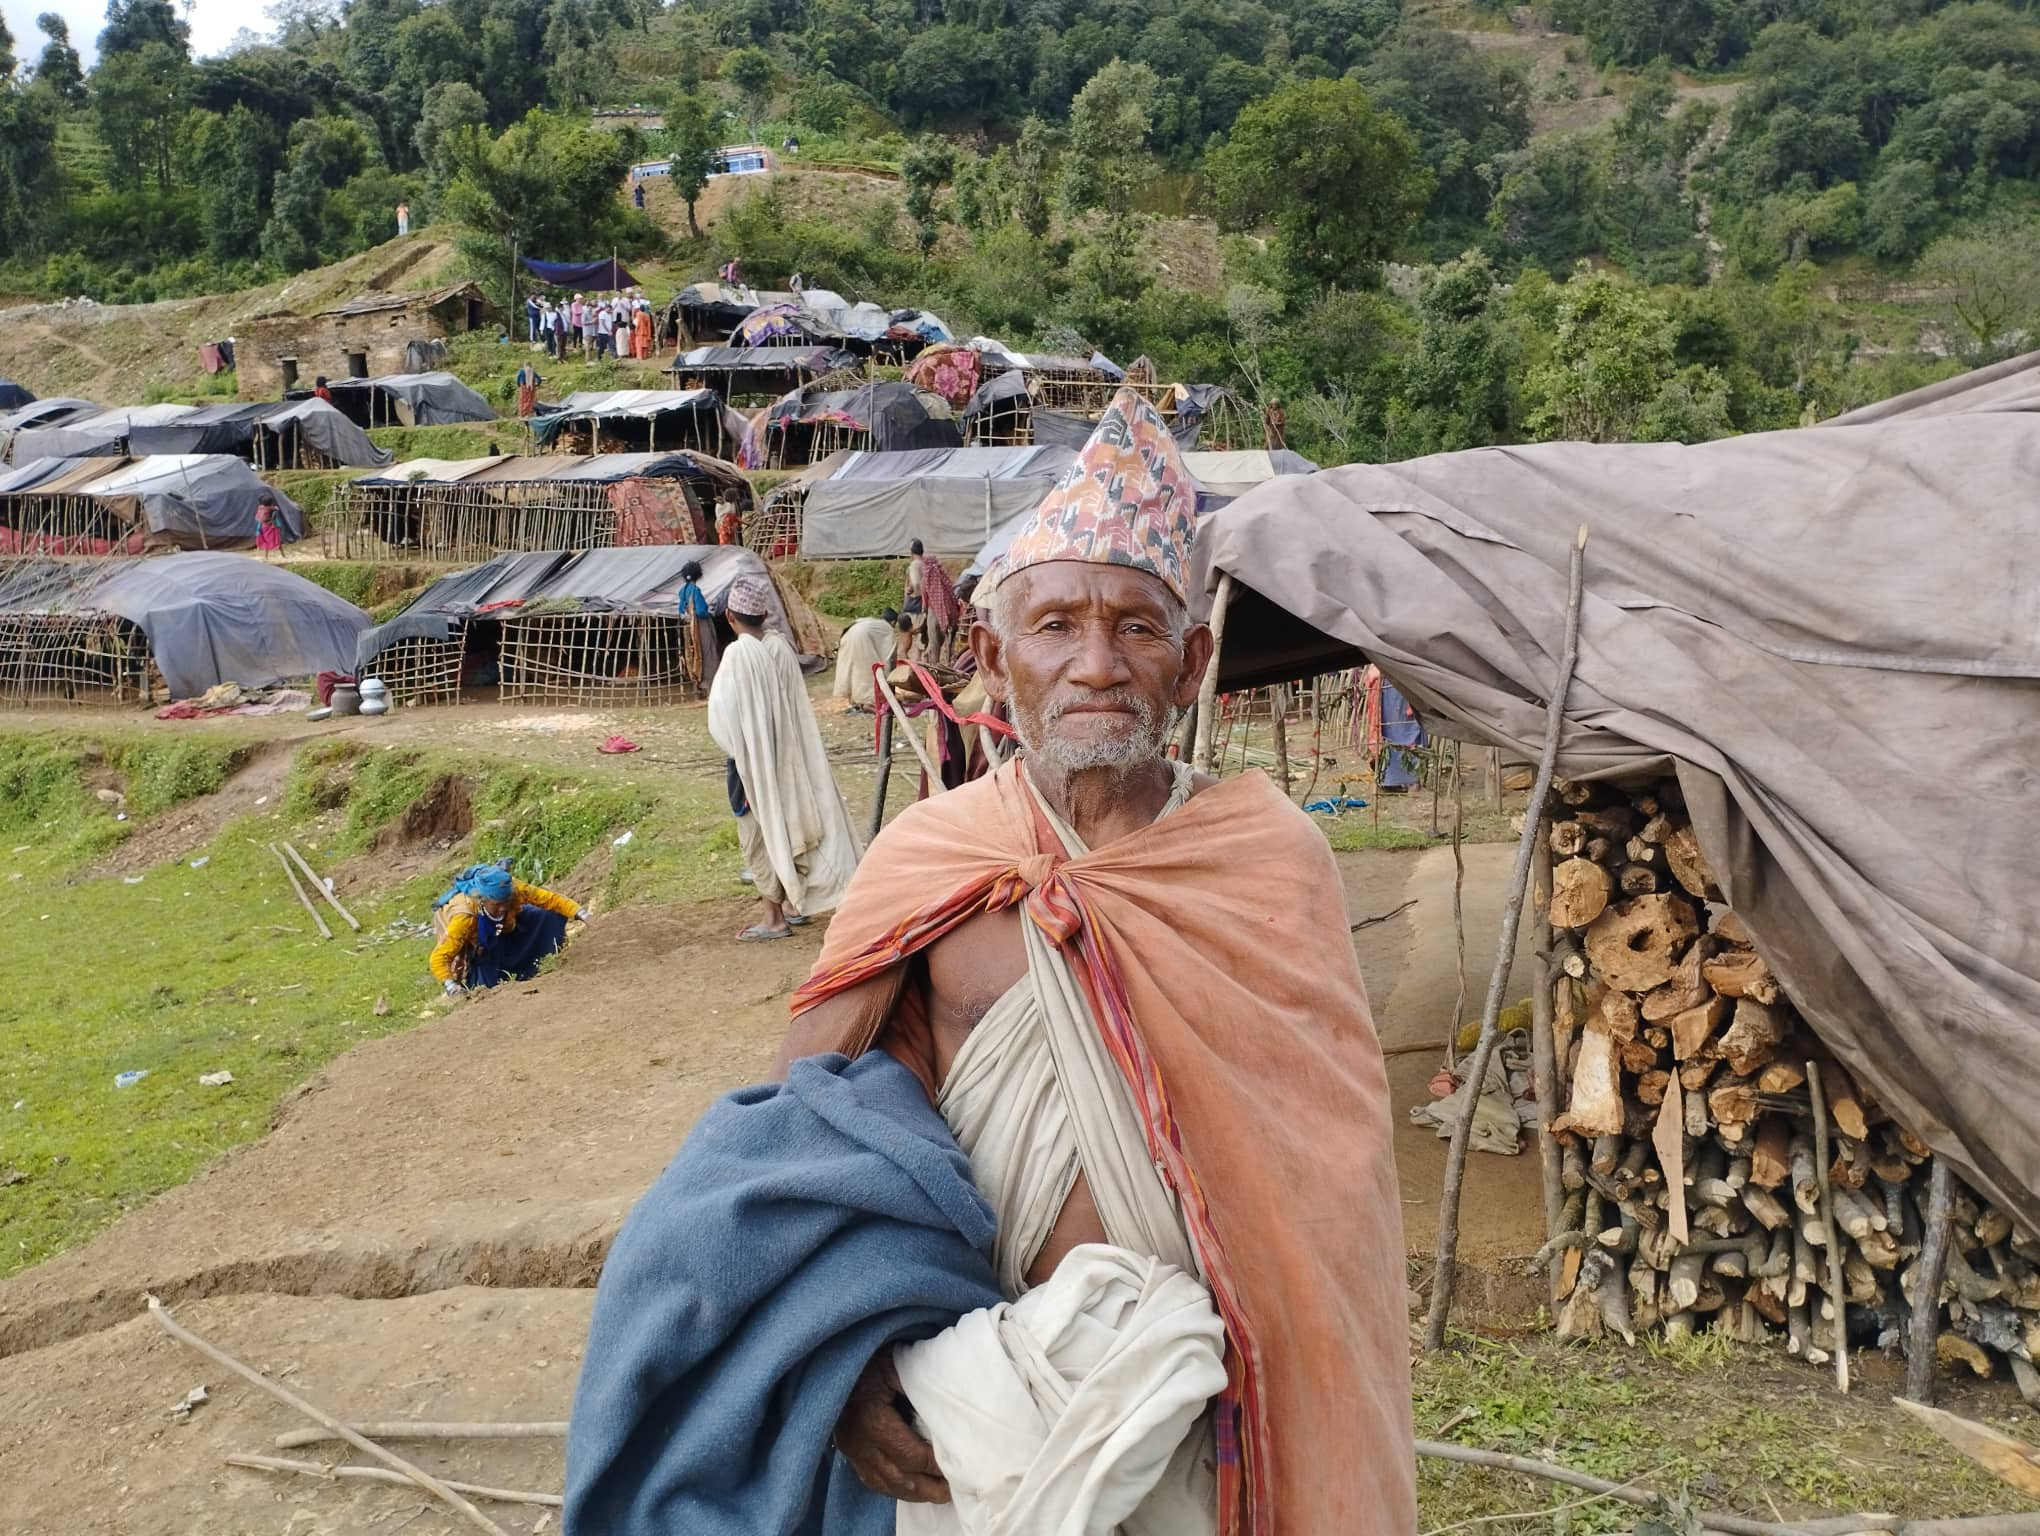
494	927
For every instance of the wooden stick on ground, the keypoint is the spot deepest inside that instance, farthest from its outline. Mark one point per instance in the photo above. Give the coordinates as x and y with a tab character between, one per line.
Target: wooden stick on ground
1926	1315
423	1429
384	1475
885	738
319	885
1505	950
291	875
1207	693
360	1442
1836	1289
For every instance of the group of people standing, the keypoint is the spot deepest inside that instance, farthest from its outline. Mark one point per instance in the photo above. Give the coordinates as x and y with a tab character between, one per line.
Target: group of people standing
615	325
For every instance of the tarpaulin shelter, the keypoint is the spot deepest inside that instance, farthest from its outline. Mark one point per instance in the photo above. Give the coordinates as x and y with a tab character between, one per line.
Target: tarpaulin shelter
738	372
286	434
408	400
125	505
710	311
623	420
1828	635
884	416
474	509
105	630
600	626
599	276
788	324
14	396
2012	385
874	505
84	434
40	413
1059	400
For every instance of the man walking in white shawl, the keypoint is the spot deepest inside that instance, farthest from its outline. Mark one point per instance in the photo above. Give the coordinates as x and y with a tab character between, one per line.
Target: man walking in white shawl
791	822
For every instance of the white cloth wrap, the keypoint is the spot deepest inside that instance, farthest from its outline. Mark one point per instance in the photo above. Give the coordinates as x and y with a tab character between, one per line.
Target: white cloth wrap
1079	1408
865	644
758	713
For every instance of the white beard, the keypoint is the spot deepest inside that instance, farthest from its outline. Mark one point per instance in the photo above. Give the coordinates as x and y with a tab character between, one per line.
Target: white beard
1143	740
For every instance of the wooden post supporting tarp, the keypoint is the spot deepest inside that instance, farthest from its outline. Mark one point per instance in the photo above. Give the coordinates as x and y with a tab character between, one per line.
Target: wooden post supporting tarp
1207	696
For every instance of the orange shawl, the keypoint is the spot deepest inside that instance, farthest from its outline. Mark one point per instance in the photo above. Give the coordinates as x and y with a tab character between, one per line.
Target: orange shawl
1213	949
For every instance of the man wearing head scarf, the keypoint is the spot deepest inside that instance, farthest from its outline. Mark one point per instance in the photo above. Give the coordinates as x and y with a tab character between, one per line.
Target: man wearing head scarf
493	927
791	822
1131	992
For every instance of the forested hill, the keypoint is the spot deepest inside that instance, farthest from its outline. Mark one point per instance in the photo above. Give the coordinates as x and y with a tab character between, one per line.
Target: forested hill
1439	224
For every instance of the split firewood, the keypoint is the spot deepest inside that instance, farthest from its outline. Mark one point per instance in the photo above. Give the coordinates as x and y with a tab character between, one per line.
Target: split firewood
1602	850
1953	1350
1805	1182
1572	792
1742	973
1689	865
1612	1013
1639	1056
1611	821
1754	1035
1695	1106
1992	1227
2009	1459
1768	1209
1567	838
1607	1153
1682	1287
1693	1030
1769	1156
1571	1168
1635	946
1857	1216
1651	1086
1640	852
1732	1101
1596	1108
1727	926
1769	1306
1880	1250
1845	1103
1579	893
1688	987
1783	1076
1639	880
1655	830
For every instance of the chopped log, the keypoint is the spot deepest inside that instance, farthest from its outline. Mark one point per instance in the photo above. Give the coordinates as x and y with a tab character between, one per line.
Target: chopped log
1613	1293
1741	1322
1693	1029
1570	961
2026	1378
1742	973
1639	880
1635	946
1595	1108
1719	1220
1658	1036
1639	1056
1579	893
1572	792
1669	1140
1693	1075
1689	865
1728	927
1732	1101
1695	1107
1782	1076
1607	1153
1572	1173
1879	1250
1602	850
1844	1101
2010	1460
1652	1085
1778	1261
1611	821
1688	987
1769	1157
1805	1183
1682	1288
1567	838
1992	1227
1753	1037
1611	1013
1951	1349
1656	830
1640	852
1858	1217
1772	1308
1766	1207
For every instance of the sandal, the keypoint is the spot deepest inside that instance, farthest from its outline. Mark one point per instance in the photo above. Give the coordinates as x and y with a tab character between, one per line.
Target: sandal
759	935
797	920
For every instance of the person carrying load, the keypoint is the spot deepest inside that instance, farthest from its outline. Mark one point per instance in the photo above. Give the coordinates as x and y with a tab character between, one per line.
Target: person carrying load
492	926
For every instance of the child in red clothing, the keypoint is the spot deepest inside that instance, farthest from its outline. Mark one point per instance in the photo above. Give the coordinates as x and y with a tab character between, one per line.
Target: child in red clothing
268	529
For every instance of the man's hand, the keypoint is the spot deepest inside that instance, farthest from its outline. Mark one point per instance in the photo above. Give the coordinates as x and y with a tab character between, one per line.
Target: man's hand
881	1446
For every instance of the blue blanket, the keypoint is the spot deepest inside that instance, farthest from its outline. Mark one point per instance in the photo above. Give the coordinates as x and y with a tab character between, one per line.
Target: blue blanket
802	1228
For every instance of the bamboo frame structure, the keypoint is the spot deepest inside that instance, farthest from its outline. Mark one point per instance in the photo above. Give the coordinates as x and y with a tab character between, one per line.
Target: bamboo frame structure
418	670
608	658
74	658
1228	426
67	524
774	531
464	523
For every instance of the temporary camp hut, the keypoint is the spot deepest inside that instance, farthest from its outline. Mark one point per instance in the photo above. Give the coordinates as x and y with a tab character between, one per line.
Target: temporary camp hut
597	627
130	631
1059	405
858	505
289	434
40	413
104	506
408	400
709	312
884	416
82	434
371	333
13	396
1812	652
790	324
748	373
627	420
475	509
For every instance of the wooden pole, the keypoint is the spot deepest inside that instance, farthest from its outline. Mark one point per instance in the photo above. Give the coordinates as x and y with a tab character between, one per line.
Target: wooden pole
419	1429
885	735
1837	1291
1926	1297
1278	703
927	767
1543	1047
1207	695
291	875
320	885
384	1475
1505	949
290	1399
1458	928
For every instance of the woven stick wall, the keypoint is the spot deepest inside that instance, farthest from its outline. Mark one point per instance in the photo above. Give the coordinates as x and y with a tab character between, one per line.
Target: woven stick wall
597	658
773	531
1008	423
417	670
78	658
63	525
465	523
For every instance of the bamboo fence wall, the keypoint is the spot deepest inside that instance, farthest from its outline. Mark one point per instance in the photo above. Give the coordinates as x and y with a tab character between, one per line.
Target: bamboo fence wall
83	658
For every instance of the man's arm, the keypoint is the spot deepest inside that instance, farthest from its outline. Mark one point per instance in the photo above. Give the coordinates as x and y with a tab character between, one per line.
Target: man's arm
847	1022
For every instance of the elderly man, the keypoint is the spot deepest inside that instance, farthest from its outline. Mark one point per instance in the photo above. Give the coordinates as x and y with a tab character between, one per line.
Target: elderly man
1130	992
791	822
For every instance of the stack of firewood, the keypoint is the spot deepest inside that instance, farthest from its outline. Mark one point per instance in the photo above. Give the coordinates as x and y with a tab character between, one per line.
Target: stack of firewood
1692	1198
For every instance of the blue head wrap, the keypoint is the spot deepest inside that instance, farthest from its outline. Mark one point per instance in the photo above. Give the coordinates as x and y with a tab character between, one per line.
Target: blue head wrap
485	882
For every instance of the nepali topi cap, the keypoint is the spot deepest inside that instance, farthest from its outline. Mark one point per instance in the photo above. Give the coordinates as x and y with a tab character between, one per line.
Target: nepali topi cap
750	597
1126	500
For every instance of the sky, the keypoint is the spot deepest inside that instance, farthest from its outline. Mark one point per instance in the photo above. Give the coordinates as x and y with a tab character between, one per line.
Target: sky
213	23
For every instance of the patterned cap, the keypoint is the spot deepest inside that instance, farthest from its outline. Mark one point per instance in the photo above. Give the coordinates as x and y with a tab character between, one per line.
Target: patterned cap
750	596
1127	500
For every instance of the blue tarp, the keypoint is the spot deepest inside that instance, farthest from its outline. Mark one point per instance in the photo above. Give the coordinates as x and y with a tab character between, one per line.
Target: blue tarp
597	276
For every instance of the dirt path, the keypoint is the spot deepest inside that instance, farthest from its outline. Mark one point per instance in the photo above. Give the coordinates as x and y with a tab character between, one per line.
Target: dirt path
102	384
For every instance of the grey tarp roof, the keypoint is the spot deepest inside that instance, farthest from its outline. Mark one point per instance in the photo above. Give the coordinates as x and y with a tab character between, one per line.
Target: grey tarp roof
232	429
600	405
40	413
1834	634
420	399
211	618
594	468
874	505
635	580
2012	385
100	432
189	501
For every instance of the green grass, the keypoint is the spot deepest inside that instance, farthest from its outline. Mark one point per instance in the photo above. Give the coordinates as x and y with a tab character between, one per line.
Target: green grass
848	589
312	489
467	440
1353	831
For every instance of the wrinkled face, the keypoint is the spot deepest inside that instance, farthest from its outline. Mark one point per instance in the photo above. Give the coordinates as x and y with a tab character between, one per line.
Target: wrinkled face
1092	661
495	909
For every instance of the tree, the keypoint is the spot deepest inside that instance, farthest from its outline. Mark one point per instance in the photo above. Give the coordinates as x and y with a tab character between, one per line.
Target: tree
1026	170
750	71
1991	283
229	165
450	106
691	146
304	228
59	68
1464	110
1900	209
978	193
6	53
1452	389
1612	375
138	95
577	41
132	25
824	106
1340	180
1109	123
927	164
